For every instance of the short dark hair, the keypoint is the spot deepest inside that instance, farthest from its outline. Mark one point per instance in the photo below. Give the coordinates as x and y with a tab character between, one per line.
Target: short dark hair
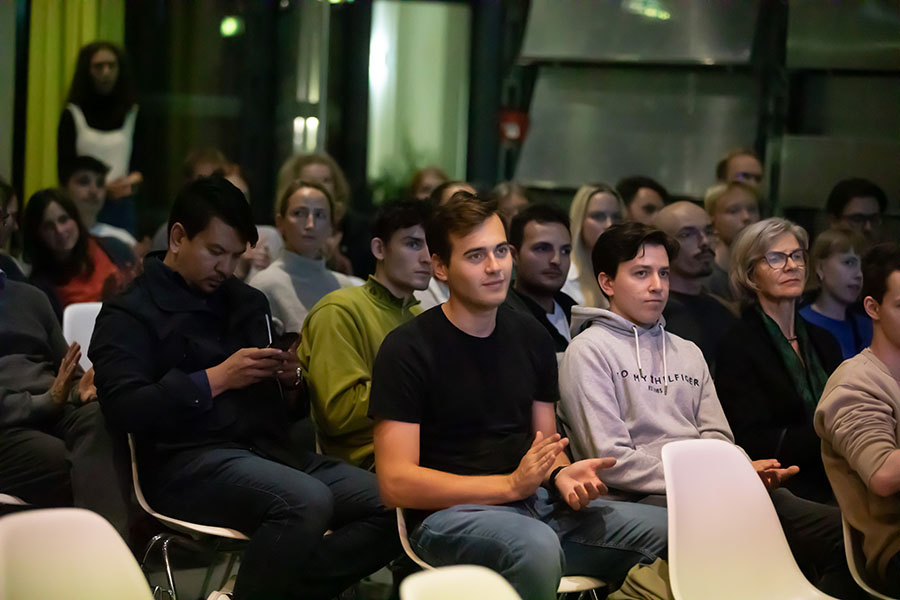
622	242
540	213
207	197
459	216
877	265
848	189
401	214
628	188
722	165
81	163
434	199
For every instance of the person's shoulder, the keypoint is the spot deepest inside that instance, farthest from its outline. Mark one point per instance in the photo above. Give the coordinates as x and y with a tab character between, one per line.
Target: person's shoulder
413	337
522	325
346	281
118	251
680	344
347	300
274	274
26	293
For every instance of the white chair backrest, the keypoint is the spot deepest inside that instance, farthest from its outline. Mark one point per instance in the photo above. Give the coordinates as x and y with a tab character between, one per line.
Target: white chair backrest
725	539
458	582
78	326
404	541
856	561
66	553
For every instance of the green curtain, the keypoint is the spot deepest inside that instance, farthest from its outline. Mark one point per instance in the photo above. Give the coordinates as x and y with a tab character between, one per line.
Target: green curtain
59	28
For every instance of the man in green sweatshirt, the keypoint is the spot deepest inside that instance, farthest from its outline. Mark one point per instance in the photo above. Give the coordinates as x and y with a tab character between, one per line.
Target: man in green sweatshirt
858	419
344	330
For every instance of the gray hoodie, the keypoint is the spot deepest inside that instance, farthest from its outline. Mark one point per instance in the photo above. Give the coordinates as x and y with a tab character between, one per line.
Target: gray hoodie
626	391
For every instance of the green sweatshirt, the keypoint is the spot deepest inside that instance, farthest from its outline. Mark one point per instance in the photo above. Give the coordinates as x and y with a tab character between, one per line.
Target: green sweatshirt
341	337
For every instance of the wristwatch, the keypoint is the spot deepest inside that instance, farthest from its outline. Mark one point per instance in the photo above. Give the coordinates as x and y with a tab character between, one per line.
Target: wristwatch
551	481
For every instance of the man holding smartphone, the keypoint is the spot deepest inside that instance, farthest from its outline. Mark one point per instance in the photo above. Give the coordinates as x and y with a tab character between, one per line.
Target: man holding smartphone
182	364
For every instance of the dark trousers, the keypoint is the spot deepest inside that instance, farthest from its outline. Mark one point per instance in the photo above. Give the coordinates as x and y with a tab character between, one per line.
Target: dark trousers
285	512
72	460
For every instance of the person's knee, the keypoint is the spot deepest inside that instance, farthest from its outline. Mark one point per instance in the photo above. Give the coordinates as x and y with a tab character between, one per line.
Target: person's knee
534	558
308	501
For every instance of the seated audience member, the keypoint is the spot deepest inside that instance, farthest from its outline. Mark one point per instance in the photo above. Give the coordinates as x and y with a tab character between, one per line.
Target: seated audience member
742	165
471	444
299	278
628	387
68	263
594	209
857	419
541	246
424	181
643	198
320	168
857	204
344	330
442	193
9	225
511	199
691	312
732	207
771	367
55	449
182	364
85	180
835	262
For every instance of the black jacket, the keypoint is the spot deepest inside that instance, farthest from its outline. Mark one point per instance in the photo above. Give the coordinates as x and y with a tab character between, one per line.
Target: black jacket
766	413
523	303
147	342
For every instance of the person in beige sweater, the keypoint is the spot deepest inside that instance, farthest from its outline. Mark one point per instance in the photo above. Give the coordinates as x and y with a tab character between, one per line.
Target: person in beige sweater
858	419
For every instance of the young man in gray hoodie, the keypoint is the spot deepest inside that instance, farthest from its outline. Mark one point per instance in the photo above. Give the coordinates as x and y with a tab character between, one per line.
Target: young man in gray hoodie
628	387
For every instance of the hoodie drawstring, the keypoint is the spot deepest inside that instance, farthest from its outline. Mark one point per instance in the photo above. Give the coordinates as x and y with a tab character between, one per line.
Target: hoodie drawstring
637	355
637	350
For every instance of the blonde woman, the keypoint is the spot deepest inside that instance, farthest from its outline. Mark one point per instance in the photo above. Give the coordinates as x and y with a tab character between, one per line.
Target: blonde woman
595	208
772	366
732	207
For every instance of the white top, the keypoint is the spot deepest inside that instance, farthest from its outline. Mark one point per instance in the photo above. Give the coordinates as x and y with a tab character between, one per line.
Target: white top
558	319
106	230
572	287
112	148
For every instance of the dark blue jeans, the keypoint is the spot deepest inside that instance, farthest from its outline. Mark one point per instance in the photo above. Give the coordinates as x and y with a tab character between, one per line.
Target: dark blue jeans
285	512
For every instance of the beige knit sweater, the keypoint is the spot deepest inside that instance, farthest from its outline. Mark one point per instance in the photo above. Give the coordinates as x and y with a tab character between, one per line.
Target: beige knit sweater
858	419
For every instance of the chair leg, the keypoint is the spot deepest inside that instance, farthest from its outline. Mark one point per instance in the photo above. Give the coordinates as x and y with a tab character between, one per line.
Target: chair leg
150	545
207	578
232	558
169	575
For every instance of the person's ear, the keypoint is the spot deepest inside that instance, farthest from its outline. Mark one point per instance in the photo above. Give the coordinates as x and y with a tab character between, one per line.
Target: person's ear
871	307
177	238
439	268
607	284
377	248
819	273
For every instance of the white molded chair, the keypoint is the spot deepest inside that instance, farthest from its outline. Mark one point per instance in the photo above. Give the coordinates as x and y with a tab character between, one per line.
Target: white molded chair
78	326
456	583
204	537
856	561
12	500
569	584
725	539
66	553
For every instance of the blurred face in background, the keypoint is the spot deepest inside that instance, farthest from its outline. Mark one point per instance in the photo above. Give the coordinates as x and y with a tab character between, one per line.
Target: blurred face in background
88	192
429	181
735	210
644	206
863	214
746	169
58	231
306	223
104	70
841	276
319	173
602	212
542	261
9	221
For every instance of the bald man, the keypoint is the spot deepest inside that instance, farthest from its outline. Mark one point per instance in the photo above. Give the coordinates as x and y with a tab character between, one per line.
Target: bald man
692	312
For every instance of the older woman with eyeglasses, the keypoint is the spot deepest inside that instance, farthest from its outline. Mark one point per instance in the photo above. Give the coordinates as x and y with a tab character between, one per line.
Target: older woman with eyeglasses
772	366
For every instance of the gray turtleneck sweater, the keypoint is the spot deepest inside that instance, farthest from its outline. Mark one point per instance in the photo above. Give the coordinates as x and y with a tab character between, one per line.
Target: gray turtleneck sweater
293	284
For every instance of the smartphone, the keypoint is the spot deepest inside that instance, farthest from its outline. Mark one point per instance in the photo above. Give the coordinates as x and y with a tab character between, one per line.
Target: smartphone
285	341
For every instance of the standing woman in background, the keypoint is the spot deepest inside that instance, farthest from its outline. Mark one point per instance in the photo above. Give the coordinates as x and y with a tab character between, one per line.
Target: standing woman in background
594	209
101	120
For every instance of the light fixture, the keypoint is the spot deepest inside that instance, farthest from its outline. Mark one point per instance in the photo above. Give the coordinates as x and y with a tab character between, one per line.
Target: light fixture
231	26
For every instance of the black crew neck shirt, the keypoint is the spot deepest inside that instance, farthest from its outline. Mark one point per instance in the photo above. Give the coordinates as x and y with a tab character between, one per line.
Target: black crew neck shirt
472	397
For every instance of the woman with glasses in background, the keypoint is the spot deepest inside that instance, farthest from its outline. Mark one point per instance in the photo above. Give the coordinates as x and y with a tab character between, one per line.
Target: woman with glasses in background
299	278
836	279
771	367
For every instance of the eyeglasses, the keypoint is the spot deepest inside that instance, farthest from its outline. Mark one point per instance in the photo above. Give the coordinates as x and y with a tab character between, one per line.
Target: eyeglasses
778	260
861	220
693	233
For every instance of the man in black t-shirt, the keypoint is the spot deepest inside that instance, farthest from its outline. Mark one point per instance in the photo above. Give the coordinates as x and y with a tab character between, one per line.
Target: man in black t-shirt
464	402
692	312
